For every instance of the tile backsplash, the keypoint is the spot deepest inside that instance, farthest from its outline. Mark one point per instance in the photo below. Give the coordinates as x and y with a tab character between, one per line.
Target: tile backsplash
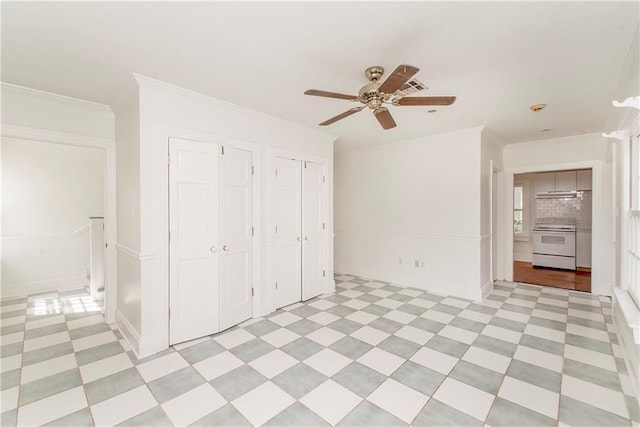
578	207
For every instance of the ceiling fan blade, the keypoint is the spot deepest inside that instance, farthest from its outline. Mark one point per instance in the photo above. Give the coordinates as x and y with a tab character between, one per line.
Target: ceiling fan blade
399	77
342	116
326	94
384	117
426	100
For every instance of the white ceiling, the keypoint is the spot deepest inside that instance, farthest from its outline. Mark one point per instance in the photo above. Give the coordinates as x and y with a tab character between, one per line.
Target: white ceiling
498	58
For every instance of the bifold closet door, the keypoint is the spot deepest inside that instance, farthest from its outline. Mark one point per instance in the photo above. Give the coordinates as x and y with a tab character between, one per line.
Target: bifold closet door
235	237
193	239
312	229
288	240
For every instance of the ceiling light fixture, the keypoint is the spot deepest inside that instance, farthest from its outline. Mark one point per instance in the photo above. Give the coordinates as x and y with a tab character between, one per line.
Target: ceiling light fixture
537	107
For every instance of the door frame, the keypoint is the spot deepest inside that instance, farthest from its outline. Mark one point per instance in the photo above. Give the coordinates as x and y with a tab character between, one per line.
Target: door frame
108	146
162	134
601	284
327	252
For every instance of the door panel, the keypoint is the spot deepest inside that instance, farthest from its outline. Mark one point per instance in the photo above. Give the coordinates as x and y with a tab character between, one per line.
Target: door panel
288	226
312	220
235	237
193	228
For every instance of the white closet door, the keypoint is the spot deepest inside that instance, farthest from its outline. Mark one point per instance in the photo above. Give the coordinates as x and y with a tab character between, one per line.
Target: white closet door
312	274
288	231
235	237
193	228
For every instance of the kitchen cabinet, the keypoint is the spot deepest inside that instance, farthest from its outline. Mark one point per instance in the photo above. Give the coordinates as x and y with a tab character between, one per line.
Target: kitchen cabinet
583	249
556	181
584	180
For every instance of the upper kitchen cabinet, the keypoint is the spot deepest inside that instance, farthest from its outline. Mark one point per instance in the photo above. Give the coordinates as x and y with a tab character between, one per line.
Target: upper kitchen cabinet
584	180
556	181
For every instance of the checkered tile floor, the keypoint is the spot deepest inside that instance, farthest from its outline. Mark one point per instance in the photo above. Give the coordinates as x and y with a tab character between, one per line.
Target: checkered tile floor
370	354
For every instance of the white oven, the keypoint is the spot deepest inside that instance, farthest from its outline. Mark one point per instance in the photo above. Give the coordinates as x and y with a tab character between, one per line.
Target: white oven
554	245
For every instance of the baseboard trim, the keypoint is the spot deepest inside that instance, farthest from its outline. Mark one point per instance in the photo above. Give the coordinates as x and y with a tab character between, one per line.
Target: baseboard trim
128	332
487	288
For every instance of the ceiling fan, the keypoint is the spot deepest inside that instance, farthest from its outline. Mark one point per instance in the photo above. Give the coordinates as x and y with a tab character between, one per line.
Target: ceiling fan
374	95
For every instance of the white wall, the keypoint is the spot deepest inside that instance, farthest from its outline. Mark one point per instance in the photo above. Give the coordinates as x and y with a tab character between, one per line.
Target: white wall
415	200
49	191
167	111
522	249
575	152
51	183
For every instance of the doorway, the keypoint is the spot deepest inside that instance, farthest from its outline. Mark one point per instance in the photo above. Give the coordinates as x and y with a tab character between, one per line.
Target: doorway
556	206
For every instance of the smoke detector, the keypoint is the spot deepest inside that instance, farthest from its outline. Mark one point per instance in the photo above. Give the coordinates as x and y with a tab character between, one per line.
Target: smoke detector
537	107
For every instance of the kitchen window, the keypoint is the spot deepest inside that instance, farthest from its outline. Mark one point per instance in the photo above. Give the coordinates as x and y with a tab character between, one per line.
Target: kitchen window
520	209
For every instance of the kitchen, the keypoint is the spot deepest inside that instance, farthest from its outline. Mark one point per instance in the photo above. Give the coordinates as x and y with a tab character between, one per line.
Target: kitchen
552	229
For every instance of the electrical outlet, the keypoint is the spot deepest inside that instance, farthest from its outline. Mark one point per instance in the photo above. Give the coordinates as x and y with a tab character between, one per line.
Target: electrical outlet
416	263
421	264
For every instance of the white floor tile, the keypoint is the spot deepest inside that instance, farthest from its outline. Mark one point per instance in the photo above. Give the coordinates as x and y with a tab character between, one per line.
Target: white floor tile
400	316
370	335
526	292
512	315
590	357
323	318
356	304
13	338
502	334
487	359
272	400
39	323
233	338
398	400
455	302
280	337
423	303
43	369
458	334
416	335
105	367
464	398
331	401
520	302
13	307
161	366
217	365
12	320
586	315
328	362
285	318
381	361
123	406
539	358
588	332
85	321
93	341
438	316
51	408
362	317
325	336
351	293
530	396
322	304
273	363
191	343
594	395
193	405
554	302
475	316
410	292
546	333
380	293
9	399
551	315
388	303
10	363
46	341
434	360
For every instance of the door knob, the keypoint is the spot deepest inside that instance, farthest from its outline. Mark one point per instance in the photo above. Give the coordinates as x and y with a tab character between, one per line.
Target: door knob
213	249
225	248
298	238
306	237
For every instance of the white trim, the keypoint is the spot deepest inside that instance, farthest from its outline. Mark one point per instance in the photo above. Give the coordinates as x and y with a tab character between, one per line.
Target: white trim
129	333
414	235
108	145
487	288
57	97
133	253
599	285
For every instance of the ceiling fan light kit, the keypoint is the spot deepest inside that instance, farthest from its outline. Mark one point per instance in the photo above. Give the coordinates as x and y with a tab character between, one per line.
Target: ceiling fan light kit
392	91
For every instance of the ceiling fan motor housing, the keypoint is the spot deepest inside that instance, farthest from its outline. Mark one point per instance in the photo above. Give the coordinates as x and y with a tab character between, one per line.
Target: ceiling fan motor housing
370	95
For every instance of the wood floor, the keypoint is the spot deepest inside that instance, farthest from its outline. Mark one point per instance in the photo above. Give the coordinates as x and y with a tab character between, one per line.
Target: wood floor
579	280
